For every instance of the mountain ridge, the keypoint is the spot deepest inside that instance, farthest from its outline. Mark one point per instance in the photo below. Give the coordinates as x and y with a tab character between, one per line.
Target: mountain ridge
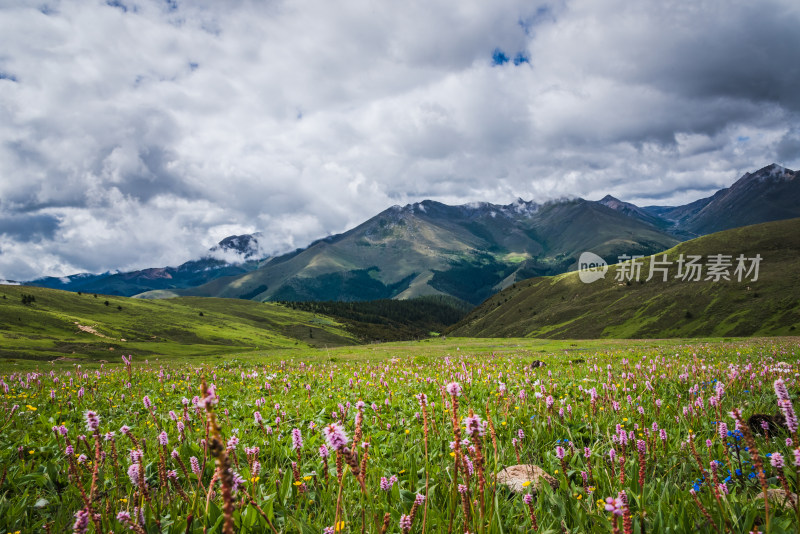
430	248
232	256
469	251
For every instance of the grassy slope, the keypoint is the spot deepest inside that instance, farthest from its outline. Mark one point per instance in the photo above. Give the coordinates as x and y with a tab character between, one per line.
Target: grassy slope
391	320
564	307
48	328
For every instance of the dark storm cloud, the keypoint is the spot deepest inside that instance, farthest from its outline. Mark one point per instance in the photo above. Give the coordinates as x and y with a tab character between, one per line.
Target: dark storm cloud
788	148
139	133
25	228
748	53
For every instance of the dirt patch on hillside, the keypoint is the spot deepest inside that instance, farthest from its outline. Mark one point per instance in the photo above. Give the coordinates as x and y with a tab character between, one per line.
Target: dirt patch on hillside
90	330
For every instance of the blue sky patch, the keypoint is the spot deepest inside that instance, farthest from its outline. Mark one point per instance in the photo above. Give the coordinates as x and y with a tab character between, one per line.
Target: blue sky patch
117	4
499	57
7	76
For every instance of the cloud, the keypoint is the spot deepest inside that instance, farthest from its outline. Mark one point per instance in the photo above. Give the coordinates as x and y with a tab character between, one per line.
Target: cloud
138	133
25	228
788	148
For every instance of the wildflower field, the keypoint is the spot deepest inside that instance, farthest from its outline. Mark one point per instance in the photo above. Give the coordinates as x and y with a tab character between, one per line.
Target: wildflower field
646	438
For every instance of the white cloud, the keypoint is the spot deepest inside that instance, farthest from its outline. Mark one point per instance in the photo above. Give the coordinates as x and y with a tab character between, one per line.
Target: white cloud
148	132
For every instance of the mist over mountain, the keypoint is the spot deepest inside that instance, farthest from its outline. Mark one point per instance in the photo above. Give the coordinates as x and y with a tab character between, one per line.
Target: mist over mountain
232	256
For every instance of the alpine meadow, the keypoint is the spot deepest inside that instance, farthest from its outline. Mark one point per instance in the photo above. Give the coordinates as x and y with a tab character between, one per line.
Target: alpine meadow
311	267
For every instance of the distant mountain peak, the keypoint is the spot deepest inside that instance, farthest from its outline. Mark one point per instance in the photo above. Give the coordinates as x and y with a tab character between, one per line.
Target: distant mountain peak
619	205
772	172
245	246
521	207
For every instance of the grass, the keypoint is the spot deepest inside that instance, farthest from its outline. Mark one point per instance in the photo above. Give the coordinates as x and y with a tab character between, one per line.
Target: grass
430	349
49	328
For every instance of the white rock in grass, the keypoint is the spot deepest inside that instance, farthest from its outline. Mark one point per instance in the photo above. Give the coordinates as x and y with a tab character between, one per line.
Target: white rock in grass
780	496
516	475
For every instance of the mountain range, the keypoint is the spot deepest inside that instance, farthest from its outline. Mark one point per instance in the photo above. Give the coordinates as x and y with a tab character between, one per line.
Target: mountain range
469	252
429	248
232	256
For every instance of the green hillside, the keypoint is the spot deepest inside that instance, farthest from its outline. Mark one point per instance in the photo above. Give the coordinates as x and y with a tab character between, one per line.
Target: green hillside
564	307
392	320
59	324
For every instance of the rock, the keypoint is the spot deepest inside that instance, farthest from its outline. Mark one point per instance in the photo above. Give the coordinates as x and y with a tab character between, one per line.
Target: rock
514	476
774	423
779	496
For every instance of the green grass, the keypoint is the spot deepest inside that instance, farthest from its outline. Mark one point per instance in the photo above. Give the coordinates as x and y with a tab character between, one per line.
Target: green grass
564	307
48	328
430	349
639	384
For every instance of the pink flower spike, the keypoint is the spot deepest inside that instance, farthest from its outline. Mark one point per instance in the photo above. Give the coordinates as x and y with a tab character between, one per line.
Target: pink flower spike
474	426
195	463
92	420
615	506
81	522
133	474
454	389
297	439
335	436
776	460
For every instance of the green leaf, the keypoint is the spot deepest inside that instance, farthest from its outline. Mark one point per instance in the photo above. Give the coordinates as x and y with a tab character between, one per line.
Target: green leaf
213	512
286	486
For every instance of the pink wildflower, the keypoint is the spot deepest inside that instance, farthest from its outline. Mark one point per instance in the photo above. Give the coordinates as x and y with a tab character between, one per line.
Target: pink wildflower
92	420
335	436
454	389
297	439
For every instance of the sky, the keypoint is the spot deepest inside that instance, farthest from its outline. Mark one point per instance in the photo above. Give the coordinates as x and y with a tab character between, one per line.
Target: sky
138	133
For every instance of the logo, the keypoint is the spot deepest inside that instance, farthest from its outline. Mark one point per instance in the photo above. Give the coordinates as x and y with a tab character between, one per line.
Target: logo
591	267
